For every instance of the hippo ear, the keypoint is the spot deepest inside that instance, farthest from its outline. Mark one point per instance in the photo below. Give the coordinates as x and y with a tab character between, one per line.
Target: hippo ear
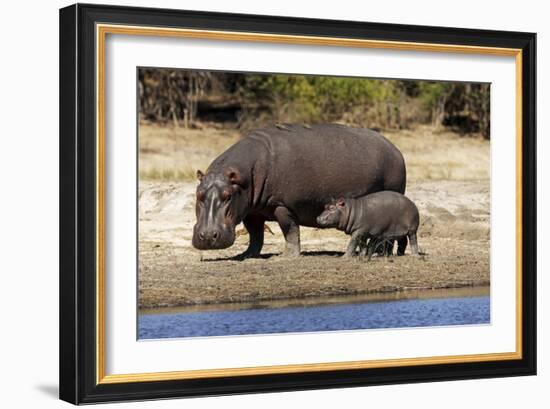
200	175
341	202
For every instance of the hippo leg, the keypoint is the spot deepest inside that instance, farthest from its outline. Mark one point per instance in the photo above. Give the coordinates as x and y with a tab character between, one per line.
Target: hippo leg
371	248
290	229
414	244
363	247
401	246
384	247
388	247
255	226
354	241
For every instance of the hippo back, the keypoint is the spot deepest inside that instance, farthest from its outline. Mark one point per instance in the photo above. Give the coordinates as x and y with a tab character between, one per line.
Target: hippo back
303	168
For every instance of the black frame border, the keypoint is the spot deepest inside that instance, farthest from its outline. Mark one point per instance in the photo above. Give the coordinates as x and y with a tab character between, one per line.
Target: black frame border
77	254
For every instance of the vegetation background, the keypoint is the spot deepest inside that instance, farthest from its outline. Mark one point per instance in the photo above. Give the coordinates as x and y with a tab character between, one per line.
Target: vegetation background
242	100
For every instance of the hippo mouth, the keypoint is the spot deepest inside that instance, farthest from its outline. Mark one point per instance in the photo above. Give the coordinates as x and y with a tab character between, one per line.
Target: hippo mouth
320	221
324	222
213	239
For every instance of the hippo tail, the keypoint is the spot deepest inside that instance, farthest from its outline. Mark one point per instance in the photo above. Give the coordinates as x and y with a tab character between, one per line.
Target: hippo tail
398	176
404	184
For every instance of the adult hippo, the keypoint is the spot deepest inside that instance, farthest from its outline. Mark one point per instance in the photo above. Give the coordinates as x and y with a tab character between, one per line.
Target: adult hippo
288	173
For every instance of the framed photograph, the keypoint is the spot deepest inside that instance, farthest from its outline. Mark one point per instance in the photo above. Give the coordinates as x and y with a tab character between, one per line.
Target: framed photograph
258	203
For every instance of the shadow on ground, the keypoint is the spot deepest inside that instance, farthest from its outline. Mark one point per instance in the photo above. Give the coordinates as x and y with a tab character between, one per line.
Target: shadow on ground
267	256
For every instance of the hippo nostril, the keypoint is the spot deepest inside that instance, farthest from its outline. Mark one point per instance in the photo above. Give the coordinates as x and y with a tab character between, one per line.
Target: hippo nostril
201	236
215	235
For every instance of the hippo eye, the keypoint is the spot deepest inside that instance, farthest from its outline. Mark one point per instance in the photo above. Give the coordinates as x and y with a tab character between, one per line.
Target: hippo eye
200	195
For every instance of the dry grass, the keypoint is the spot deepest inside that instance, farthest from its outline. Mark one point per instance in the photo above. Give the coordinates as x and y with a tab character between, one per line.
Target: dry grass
175	154
432	154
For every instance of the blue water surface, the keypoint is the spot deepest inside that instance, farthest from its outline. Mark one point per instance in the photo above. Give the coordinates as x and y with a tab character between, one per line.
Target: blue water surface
367	315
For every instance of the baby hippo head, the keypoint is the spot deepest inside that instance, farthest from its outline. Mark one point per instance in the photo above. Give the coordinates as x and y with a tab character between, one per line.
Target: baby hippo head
332	214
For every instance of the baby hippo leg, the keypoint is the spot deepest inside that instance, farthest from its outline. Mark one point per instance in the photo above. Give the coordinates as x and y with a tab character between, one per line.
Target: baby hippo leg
374	243
363	246
388	247
414	244
353	243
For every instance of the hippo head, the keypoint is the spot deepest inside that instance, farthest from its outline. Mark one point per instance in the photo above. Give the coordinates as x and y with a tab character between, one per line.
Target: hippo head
221	204
333	214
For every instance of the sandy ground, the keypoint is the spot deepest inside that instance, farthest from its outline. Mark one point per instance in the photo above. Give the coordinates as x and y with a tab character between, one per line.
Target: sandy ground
448	180
454	234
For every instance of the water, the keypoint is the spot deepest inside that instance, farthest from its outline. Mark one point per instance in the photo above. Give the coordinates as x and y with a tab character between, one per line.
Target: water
419	312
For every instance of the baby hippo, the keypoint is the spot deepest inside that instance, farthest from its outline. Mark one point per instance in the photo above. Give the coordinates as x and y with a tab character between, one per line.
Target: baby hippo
381	217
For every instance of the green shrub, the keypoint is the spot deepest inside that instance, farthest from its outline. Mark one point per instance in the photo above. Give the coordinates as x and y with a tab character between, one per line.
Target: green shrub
173	95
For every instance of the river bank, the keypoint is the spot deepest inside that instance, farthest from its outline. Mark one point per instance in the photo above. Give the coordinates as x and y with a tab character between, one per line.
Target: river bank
454	234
